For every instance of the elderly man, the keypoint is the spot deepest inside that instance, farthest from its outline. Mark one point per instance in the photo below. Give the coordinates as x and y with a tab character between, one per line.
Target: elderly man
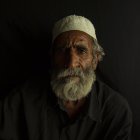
74	104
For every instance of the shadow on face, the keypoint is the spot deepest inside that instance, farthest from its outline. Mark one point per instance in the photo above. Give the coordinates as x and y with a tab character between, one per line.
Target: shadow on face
73	49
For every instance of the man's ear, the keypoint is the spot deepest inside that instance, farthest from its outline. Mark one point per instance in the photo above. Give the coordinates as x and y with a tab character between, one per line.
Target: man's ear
95	61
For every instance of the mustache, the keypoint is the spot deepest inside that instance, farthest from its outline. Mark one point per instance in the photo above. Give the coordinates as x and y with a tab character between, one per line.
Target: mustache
71	72
78	72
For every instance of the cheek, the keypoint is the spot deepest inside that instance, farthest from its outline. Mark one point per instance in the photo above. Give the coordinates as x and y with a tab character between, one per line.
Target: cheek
86	61
58	60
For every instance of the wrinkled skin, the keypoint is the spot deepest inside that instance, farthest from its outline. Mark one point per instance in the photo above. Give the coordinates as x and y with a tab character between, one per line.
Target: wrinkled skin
73	49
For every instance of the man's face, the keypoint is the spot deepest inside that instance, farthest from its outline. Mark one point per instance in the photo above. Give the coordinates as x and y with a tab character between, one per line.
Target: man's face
73	65
72	49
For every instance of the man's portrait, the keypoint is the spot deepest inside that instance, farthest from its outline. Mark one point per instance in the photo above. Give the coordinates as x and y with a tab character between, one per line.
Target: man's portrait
65	75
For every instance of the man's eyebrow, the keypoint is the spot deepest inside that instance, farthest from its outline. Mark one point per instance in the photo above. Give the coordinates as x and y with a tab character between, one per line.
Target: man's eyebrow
81	46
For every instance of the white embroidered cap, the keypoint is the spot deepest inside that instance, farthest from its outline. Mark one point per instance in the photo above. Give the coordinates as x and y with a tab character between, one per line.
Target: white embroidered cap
73	22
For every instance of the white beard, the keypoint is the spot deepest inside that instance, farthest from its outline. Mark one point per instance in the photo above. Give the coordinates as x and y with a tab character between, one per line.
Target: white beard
67	88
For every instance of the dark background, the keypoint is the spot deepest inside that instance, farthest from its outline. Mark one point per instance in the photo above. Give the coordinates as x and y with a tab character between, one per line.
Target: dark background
25	36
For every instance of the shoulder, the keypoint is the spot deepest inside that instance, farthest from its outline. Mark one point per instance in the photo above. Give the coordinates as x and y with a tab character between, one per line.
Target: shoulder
112	103
107	95
26	103
31	92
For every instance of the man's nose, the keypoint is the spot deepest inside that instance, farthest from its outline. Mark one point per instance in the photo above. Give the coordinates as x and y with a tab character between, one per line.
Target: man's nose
72	60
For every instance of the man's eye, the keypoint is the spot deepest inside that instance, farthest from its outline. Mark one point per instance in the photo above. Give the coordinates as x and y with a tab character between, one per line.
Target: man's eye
82	50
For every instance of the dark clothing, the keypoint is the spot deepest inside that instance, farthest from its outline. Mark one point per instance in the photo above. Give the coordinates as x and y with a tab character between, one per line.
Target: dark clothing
33	113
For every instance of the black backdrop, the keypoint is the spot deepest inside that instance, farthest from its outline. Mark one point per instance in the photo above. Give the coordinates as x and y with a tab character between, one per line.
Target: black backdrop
25	36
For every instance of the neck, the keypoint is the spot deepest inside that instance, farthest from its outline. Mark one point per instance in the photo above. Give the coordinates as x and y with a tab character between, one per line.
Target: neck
73	108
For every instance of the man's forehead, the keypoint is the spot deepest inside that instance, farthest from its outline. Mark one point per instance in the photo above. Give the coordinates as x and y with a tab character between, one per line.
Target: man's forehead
73	36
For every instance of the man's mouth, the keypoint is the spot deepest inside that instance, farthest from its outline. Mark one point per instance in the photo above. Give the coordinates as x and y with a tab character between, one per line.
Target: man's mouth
71	77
